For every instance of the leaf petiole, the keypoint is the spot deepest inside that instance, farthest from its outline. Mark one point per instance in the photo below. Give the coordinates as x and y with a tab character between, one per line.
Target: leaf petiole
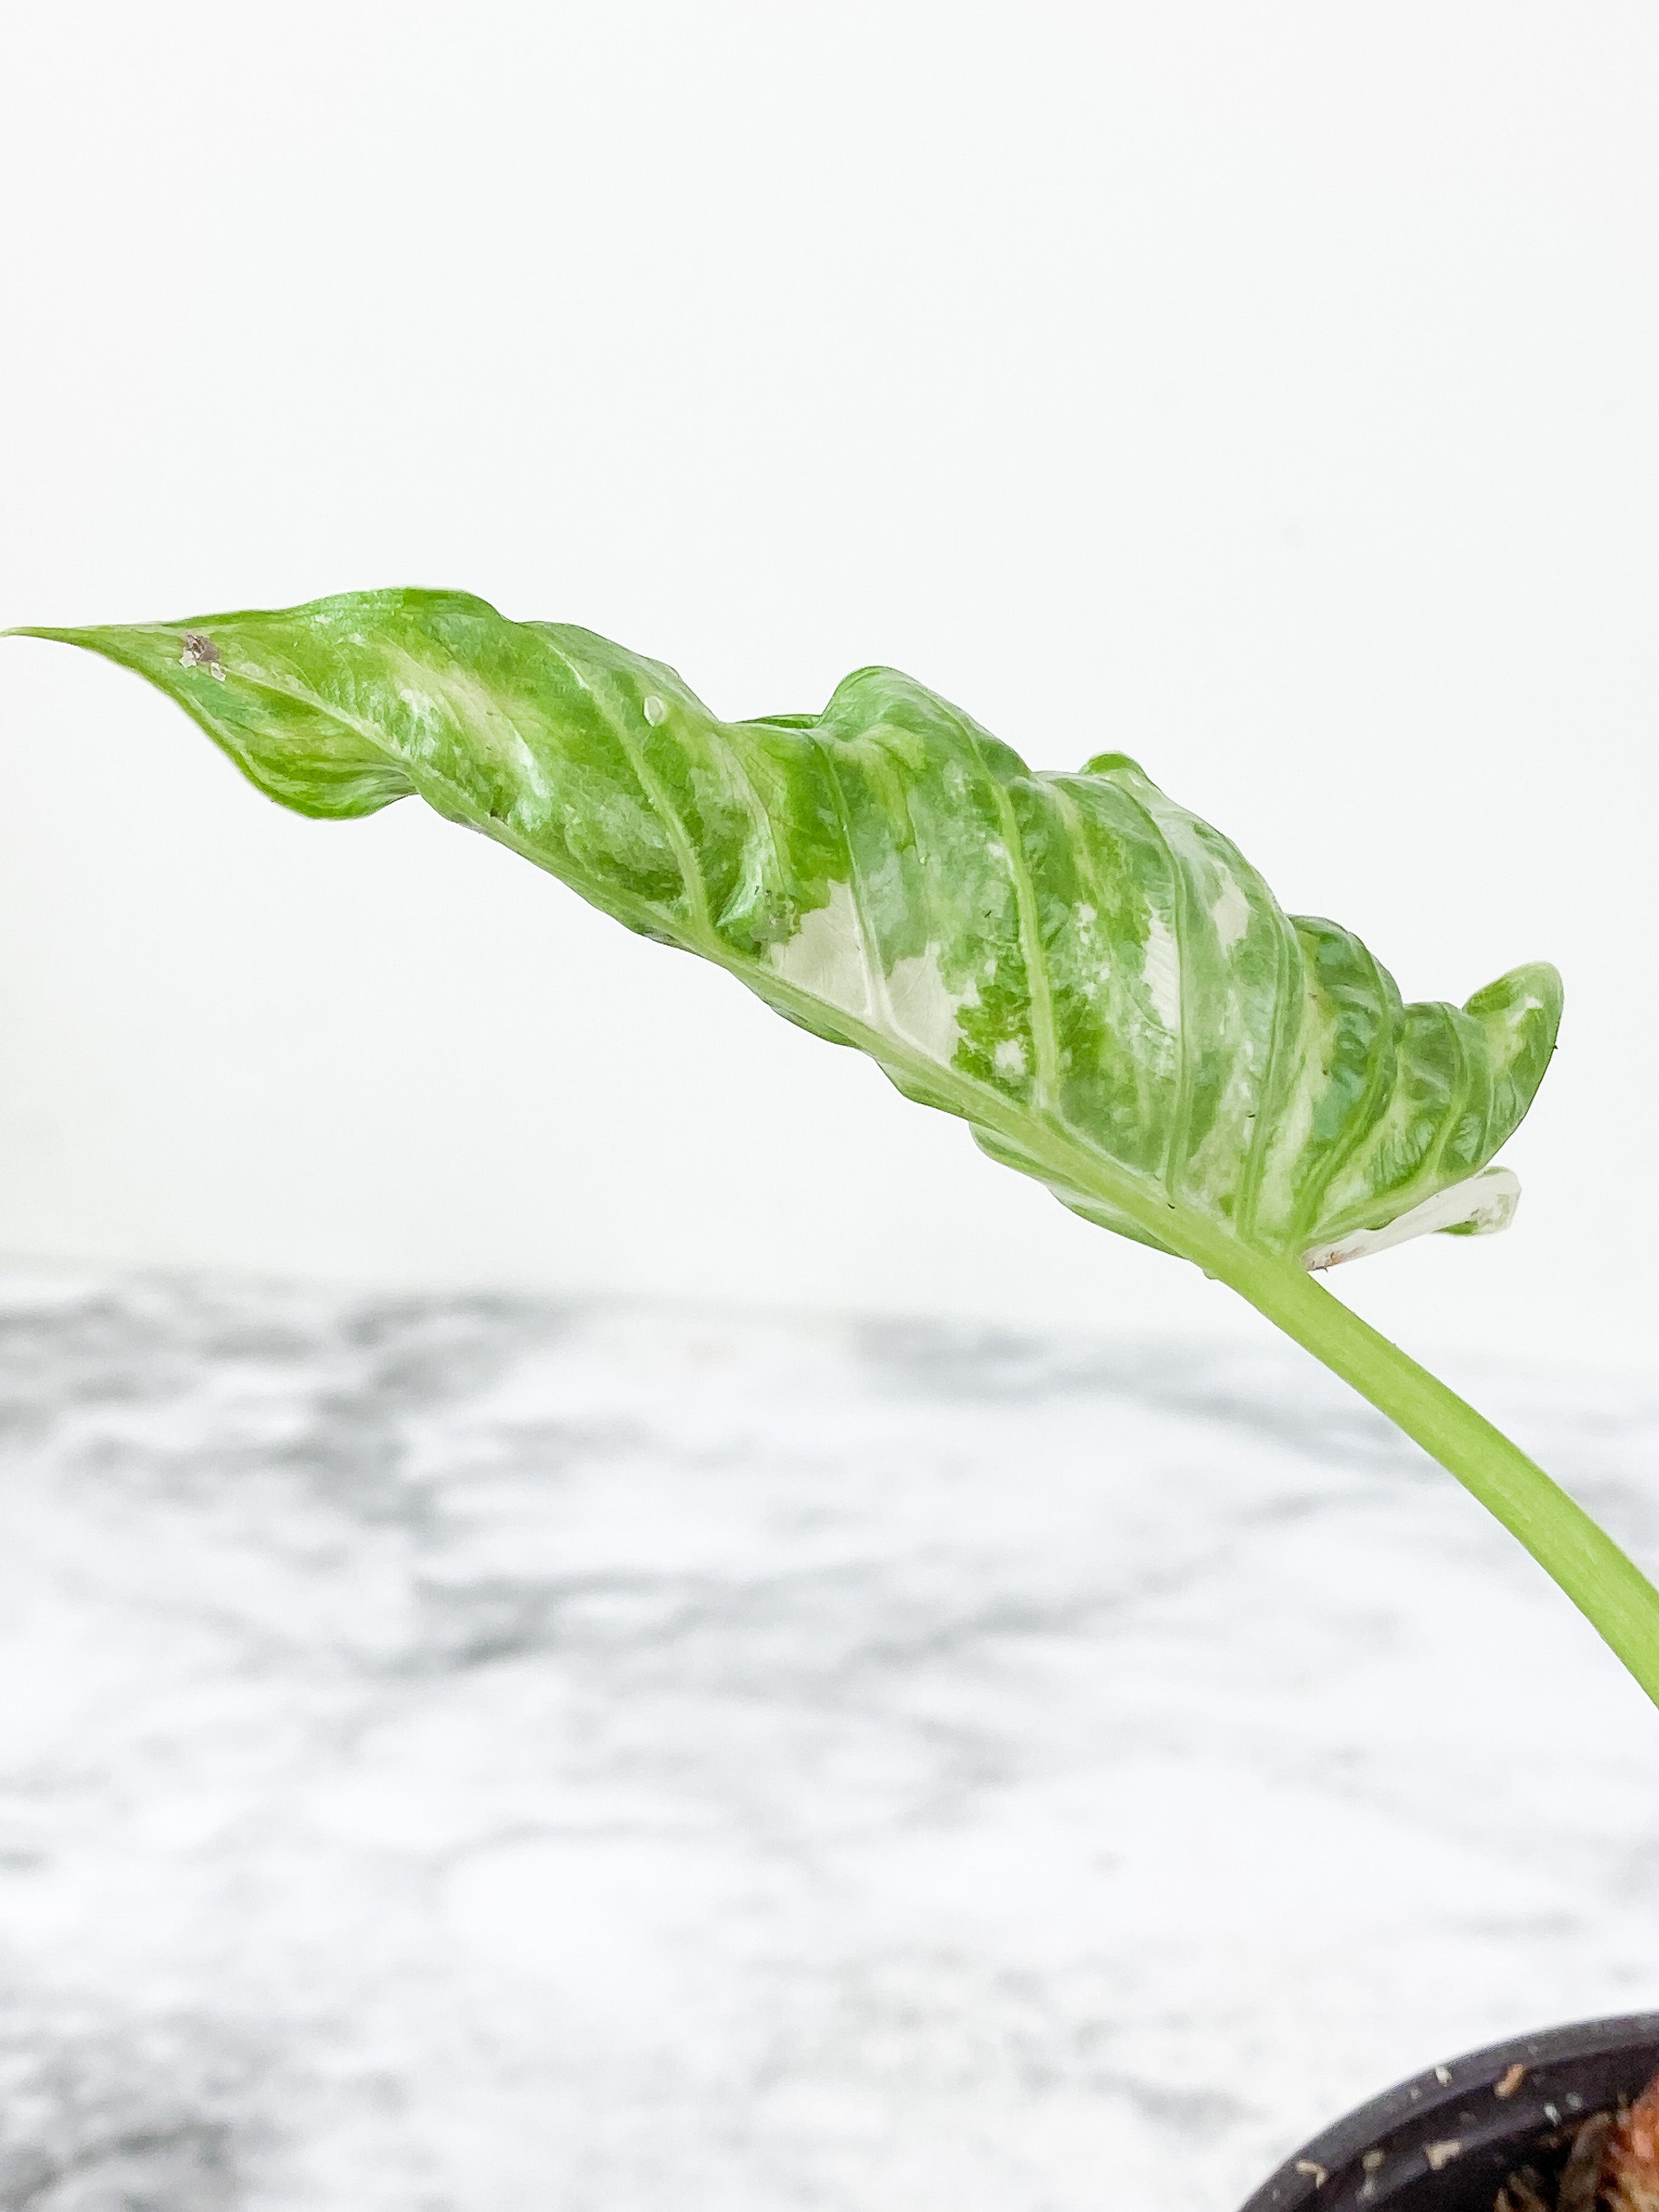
1608	1588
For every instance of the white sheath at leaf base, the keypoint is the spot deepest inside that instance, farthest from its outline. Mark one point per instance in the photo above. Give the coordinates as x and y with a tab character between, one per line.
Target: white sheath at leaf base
1478	1208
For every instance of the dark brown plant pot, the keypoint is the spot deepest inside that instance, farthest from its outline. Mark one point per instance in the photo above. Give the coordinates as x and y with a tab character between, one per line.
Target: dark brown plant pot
1451	2139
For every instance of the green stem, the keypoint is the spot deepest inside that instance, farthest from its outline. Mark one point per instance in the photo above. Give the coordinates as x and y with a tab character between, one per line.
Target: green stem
1610	1590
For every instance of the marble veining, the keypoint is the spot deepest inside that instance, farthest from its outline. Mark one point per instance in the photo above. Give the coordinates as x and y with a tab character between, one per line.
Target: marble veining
482	1755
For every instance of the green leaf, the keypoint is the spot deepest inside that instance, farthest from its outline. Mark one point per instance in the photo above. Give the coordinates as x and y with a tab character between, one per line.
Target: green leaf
1095	979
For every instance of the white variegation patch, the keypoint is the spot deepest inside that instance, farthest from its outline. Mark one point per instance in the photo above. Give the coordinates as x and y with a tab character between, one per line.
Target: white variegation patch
1229	914
1161	970
1482	1203
829	958
450	696
921	1007
826	956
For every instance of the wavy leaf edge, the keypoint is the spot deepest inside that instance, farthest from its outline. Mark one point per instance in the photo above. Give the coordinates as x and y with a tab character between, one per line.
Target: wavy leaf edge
1174	1057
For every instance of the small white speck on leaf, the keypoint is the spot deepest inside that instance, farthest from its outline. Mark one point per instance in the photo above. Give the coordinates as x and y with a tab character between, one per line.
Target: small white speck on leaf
656	711
1441	2154
1443	2075
1311	2166
1509	2082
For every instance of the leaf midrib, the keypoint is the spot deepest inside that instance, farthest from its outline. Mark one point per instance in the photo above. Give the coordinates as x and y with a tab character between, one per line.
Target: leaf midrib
1075	1166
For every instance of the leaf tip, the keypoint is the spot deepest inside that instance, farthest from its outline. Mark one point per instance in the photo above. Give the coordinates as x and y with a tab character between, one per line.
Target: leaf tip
89	637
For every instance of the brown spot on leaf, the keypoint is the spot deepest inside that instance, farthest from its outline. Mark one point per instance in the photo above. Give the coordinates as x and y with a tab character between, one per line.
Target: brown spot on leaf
201	652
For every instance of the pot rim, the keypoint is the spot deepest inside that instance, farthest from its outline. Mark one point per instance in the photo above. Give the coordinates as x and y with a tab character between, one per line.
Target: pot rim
1429	2112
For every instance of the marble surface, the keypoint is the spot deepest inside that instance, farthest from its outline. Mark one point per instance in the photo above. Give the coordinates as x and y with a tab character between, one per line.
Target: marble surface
476	1756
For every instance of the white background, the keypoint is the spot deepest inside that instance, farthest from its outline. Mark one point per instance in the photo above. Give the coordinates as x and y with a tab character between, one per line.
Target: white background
1267	390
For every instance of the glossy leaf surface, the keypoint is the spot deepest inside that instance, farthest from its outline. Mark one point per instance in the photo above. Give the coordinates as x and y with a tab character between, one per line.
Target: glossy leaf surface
1092	977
